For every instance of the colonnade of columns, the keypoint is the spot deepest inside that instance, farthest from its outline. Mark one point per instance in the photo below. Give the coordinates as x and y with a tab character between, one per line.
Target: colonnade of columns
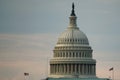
73	54
81	69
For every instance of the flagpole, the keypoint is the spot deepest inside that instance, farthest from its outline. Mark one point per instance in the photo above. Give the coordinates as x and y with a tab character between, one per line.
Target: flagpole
113	74
26	76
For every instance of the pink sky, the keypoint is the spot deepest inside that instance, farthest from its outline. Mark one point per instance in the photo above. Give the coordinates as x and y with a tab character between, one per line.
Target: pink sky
22	57
29	30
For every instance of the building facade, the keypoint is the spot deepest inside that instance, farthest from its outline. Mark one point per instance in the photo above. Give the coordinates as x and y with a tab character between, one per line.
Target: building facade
72	57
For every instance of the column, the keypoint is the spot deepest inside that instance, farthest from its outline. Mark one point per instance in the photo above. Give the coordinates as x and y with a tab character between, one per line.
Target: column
61	72
56	68
67	68
59	68
83	68
75	68
53	68
79	68
76	71
92	69
71	68
64	68
87	69
50	68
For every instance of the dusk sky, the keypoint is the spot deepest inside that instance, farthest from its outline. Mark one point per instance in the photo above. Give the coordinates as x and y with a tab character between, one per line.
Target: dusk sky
29	30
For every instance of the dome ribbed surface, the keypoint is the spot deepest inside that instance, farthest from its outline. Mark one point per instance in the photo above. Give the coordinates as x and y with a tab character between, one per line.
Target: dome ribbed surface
73	36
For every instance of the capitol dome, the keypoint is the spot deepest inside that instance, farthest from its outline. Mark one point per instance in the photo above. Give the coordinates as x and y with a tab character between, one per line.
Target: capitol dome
72	55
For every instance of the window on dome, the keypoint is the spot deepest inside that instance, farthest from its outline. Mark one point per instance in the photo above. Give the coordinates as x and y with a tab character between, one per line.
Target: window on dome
80	54
57	55
69	55
66	54
70	40
76	40
76	54
61	54
73	54
85	55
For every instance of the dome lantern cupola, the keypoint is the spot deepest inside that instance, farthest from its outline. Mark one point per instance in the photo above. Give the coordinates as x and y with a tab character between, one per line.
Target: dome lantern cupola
73	18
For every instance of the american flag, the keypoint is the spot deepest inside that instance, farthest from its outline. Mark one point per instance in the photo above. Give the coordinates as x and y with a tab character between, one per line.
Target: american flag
111	69
26	74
